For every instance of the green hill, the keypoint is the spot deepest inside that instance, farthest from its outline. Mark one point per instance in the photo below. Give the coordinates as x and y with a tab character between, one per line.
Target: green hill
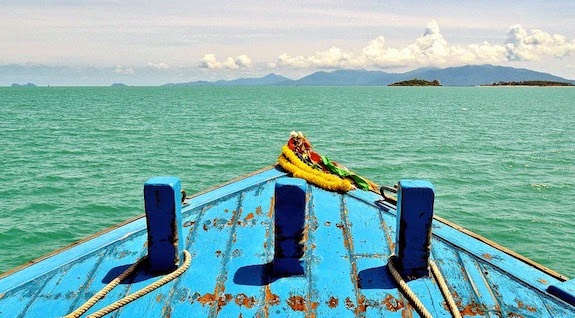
416	82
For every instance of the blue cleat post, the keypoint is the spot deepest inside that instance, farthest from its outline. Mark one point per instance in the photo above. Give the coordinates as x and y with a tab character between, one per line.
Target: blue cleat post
164	222
413	232
290	206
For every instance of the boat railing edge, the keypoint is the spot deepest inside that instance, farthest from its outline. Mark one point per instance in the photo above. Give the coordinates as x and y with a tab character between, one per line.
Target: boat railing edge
119	225
503	249
474	235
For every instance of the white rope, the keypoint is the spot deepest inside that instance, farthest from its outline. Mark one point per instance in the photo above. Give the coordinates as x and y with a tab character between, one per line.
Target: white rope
410	295
131	297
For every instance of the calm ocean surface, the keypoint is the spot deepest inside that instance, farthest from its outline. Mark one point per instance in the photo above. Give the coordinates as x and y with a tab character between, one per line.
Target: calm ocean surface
74	160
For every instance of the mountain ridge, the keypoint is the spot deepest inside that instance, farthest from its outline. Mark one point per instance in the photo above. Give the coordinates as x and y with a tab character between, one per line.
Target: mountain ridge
467	75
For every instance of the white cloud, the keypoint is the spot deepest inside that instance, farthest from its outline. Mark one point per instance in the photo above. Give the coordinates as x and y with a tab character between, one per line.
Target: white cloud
119	69
528	46
431	48
159	66
210	61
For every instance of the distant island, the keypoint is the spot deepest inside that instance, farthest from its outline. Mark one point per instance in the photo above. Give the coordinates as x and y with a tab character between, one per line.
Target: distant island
467	75
530	83
118	85
416	82
23	85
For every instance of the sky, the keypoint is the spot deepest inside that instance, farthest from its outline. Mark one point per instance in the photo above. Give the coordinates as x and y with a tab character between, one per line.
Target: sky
85	42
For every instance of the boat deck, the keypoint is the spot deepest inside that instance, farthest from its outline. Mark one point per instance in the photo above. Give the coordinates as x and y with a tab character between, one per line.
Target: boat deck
229	234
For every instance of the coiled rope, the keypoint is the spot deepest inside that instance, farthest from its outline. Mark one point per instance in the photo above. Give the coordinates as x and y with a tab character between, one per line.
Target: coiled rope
410	295
290	162
131	297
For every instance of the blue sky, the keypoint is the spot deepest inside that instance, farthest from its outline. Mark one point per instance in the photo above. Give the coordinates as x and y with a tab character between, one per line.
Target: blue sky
83	42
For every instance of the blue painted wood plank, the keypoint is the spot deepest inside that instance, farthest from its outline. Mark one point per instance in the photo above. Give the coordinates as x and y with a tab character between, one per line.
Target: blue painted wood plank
378	296
66	283
528	274
473	273
245	281
291	293
331	270
15	302
70	254
239	185
117	258
514	297
466	294
210	249
368	235
387	224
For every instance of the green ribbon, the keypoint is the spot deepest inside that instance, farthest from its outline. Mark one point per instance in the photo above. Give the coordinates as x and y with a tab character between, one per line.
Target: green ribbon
359	181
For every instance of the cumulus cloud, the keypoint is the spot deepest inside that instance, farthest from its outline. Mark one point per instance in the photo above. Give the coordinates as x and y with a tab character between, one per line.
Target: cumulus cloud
210	61
431	48
159	66
522	45
123	70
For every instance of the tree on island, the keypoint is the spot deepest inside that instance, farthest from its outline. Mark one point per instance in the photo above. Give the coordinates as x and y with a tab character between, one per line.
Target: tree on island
416	82
530	83
23	85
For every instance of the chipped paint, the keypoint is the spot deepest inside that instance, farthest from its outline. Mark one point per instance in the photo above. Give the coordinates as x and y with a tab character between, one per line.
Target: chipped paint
521	305
349	303
207	299
333	302
393	304
471	309
297	303
543	281
244	300
270	299
272	207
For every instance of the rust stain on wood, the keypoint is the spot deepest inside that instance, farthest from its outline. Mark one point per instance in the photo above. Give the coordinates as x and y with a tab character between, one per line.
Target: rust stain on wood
521	305
270	299
348	303
244	300
333	302
393	304
207	299
272	207
297	303
471	309
543	281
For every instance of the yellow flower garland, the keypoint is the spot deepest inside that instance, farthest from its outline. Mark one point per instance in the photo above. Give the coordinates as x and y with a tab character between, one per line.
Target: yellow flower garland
290	162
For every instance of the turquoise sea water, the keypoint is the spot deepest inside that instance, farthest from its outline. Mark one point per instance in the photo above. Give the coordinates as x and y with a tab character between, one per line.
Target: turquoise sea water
74	160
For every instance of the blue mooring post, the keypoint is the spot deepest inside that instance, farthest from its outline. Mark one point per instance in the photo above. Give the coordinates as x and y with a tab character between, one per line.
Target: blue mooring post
290	206
413	232
162	198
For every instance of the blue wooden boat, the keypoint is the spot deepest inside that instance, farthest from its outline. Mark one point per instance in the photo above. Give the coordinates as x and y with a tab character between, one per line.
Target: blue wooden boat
271	245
